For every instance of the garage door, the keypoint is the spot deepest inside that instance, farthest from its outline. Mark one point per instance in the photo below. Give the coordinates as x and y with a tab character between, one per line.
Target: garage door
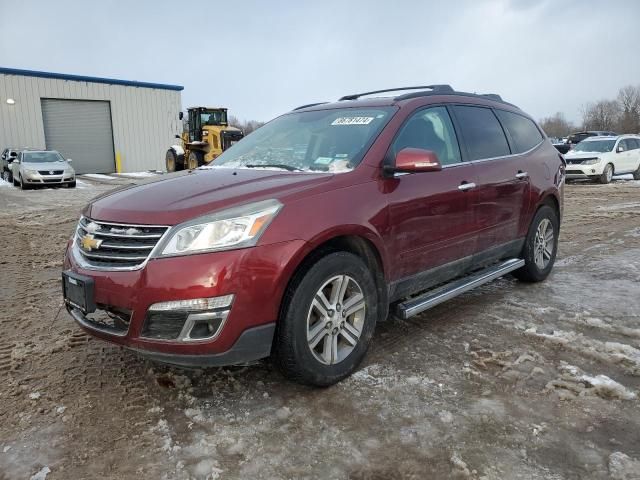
80	130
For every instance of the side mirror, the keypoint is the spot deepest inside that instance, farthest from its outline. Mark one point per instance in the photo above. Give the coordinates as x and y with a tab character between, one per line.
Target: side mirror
415	160
180	115
620	149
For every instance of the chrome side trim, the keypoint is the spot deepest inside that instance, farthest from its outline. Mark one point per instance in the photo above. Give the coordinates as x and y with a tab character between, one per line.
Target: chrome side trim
457	287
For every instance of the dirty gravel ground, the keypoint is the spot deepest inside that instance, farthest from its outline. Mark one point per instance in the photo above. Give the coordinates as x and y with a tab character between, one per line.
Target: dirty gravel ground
510	381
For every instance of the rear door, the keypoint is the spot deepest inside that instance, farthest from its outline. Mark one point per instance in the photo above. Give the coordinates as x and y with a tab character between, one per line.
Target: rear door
624	156
431	216
499	148
635	153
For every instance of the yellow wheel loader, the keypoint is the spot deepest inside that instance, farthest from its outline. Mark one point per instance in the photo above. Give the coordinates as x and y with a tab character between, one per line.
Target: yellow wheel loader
207	136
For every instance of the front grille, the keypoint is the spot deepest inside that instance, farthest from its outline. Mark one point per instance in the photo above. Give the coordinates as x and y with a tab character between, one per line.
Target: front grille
50	172
116	246
578	161
52	180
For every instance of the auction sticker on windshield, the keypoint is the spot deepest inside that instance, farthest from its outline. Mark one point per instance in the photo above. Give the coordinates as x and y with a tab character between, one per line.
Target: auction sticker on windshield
352	121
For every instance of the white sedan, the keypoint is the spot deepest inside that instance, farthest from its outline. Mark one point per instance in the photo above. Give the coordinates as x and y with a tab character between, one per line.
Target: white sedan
600	158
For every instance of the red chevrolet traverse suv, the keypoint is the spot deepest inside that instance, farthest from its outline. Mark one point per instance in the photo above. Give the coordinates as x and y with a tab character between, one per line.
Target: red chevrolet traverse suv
310	230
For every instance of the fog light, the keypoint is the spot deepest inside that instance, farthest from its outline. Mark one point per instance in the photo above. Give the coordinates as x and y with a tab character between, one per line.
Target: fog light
197	304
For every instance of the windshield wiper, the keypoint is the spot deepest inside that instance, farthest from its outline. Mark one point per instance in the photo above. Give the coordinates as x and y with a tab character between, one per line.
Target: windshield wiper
274	165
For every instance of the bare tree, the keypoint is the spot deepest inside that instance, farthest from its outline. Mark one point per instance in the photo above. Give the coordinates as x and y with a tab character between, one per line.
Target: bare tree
601	115
629	101
557	125
247	126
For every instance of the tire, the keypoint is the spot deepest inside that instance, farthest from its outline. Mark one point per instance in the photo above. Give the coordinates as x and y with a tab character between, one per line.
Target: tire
23	186
173	161
71	184
607	174
333	357
536	271
636	174
194	160
15	182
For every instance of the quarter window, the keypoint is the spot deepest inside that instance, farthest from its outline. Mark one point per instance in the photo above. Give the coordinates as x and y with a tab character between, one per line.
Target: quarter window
481	132
523	132
430	129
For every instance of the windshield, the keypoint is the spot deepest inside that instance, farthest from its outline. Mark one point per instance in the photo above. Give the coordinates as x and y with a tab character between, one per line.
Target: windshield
42	157
599	146
320	141
213	118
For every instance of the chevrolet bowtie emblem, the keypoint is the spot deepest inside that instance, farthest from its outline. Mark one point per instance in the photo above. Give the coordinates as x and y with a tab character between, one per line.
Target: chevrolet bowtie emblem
88	243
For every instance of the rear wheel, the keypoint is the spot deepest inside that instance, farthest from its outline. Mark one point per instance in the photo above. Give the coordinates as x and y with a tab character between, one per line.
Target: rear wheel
328	321
607	174
195	159
540	247
6	176
173	161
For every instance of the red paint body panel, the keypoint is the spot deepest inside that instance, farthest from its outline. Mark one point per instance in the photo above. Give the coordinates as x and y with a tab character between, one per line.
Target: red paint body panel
416	222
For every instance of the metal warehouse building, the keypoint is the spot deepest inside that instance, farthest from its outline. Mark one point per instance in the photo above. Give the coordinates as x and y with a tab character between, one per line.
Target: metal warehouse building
104	125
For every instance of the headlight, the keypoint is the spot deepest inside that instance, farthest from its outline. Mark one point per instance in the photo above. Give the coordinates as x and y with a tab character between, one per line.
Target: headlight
236	227
30	172
591	161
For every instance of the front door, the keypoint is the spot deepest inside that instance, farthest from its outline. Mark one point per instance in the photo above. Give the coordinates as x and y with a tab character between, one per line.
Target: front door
431	214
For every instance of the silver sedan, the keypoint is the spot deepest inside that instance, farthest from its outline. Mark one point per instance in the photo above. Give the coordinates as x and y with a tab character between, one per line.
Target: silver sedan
39	168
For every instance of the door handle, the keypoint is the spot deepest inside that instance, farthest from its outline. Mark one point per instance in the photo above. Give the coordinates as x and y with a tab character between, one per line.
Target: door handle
521	174
464	186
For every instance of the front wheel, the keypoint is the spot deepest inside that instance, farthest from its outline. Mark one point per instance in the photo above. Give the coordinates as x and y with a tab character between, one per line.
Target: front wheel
636	174
540	247
607	174
23	186
328	321
195	159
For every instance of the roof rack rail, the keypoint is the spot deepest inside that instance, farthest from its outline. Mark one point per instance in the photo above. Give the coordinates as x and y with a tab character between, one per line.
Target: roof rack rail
308	105
492	96
433	88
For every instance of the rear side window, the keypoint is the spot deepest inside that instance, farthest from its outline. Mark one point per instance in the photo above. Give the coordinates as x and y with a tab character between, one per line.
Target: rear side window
523	132
481	132
634	143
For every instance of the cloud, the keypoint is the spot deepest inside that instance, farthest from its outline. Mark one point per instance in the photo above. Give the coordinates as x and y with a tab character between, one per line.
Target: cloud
262	58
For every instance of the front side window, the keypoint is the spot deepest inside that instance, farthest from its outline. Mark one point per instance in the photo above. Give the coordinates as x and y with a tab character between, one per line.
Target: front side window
430	129
595	146
481	132
523	132
333	140
633	143
42	157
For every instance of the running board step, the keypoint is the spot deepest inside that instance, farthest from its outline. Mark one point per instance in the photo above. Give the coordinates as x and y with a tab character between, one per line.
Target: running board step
457	287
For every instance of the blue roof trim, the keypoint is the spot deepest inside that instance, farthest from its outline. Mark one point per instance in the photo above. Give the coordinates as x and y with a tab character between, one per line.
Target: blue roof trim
82	78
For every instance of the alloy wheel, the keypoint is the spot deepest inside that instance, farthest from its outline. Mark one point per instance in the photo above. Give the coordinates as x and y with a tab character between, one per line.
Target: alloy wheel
543	244
335	319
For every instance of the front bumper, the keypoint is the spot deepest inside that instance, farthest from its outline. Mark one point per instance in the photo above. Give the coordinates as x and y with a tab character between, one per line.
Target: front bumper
38	179
255	276
581	171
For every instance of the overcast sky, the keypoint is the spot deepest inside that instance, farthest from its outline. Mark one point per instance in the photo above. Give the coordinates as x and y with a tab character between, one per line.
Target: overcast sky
262	58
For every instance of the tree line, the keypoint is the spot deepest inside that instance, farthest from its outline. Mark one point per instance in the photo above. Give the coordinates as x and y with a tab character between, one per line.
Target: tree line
621	115
247	126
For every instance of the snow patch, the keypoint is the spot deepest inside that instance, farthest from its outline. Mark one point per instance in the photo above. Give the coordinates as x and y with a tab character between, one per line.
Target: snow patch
42	474
34	395
98	176
623	467
149	173
605	387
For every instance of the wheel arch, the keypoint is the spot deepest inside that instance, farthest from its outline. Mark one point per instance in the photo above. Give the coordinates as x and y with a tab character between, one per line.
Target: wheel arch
358	244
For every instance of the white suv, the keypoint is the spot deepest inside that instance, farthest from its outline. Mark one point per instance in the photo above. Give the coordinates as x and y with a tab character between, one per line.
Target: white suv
599	158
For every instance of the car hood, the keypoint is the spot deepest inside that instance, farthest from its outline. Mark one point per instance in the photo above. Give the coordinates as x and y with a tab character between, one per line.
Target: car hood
573	154
45	165
177	197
